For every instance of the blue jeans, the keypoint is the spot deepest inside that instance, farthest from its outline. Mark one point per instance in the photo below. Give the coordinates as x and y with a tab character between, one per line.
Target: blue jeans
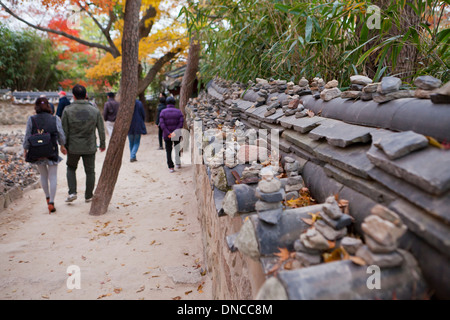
135	141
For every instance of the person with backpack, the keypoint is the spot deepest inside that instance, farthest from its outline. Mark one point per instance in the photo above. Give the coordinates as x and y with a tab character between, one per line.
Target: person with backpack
80	121
171	120
47	162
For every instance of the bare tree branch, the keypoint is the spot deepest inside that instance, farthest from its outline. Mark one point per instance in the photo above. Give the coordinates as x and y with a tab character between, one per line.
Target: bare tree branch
106	30
145	82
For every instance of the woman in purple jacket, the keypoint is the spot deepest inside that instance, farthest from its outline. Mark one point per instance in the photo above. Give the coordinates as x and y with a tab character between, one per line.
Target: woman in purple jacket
170	121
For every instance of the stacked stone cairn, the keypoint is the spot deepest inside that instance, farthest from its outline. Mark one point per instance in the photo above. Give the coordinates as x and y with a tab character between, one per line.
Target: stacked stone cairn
382	229
303	87
272	107
294	106
426	85
314	242
235	114
389	89
251	174
270	195
294	181
441	95
317	86
331	91
361	88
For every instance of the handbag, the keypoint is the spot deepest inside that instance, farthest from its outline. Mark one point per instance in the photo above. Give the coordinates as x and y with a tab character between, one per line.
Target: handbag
41	145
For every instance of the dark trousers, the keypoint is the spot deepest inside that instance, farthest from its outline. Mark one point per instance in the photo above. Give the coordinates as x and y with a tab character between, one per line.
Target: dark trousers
170	145
89	169
160	137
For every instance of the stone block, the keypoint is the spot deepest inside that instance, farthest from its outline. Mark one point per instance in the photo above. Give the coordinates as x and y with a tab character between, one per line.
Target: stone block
304	125
374	190
352	159
301	140
397	145
341	134
436	206
416	168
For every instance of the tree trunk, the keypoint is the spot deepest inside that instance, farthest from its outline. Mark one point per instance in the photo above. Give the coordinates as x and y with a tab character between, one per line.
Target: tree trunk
187	85
407	58
128	85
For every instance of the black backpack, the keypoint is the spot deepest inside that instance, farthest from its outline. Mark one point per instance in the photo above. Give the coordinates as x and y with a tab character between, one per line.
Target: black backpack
41	145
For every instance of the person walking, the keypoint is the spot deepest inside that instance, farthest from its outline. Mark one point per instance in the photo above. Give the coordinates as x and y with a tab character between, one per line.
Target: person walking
80	122
63	102
161	107
48	166
171	120
110	110
137	128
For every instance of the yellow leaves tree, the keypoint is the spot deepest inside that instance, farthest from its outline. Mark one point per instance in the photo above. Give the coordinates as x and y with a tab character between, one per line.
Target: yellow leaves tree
156	47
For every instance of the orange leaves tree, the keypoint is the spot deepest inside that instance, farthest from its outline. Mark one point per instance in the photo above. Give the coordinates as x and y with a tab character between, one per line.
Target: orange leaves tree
156	47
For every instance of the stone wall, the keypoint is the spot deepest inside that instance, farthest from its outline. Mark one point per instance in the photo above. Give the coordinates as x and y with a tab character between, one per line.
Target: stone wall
335	145
234	276
15	113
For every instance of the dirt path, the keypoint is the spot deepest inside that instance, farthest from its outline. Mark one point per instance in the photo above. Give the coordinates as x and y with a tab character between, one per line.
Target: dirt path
147	246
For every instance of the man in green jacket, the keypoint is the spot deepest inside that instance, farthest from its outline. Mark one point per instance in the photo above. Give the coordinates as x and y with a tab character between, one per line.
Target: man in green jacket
80	121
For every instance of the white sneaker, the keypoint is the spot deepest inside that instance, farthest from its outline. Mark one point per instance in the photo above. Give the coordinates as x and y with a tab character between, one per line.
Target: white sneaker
178	166
71	197
171	170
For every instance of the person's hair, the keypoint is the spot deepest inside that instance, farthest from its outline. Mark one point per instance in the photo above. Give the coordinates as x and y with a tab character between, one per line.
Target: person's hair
170	100
79	92
162	99
42	105
163	94
111	94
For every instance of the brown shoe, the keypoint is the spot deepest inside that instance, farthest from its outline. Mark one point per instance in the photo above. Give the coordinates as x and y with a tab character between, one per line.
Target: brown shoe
51	208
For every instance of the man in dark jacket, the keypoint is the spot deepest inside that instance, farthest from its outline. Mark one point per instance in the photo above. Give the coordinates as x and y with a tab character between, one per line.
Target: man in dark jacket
171	120
63	102
110	110
80	122
137	128
161	107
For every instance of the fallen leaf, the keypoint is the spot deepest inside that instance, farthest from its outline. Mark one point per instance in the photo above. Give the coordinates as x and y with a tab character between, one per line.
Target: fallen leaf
200	288
357	260
176	298
432	141
310	113
117	290
331	244
141	289
188	292
309	222
283	254
288	265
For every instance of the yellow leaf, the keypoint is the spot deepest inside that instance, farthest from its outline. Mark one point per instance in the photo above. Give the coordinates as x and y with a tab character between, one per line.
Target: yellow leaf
432	141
